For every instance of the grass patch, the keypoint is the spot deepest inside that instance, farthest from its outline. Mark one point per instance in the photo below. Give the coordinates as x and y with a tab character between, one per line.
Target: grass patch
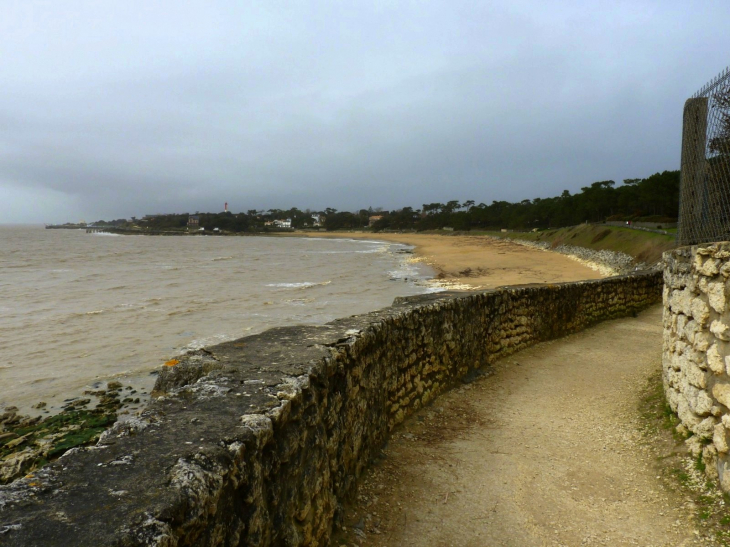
600	236
656	411
700	464
682	473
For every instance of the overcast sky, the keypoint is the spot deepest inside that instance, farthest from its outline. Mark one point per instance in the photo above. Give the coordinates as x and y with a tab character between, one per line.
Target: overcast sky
110	109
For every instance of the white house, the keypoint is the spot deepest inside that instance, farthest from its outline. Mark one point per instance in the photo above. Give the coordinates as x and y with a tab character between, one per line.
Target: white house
283	223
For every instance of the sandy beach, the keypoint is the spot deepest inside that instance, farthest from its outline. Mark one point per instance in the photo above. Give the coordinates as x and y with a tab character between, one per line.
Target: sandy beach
480	262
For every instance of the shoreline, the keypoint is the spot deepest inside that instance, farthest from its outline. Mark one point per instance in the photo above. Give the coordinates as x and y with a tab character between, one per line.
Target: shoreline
470	263
475	262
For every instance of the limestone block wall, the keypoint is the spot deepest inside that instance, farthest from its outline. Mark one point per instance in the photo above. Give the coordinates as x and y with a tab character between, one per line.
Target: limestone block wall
696	352
258	441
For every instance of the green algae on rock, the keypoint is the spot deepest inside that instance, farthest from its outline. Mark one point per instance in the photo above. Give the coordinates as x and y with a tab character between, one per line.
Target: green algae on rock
28	443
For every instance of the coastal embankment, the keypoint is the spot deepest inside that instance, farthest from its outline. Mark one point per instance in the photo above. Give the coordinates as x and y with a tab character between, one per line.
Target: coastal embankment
643	248
261	440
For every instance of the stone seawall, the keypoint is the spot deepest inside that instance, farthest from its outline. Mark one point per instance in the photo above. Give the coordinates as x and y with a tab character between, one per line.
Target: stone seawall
696	353
258	441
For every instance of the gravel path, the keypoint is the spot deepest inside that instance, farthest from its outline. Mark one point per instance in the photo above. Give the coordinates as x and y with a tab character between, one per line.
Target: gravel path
547	451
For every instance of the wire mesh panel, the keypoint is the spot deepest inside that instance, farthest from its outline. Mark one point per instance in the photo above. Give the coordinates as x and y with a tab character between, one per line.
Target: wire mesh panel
704	202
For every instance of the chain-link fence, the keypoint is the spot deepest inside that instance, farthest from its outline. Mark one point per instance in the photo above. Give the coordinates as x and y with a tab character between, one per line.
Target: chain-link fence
704	202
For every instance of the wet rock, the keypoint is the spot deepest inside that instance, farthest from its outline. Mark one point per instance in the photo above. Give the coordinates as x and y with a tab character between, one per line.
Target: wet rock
32	442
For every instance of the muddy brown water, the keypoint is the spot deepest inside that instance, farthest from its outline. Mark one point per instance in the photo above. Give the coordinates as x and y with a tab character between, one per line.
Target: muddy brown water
79	309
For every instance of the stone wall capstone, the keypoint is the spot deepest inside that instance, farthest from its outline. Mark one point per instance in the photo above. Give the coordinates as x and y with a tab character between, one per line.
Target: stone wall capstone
258	441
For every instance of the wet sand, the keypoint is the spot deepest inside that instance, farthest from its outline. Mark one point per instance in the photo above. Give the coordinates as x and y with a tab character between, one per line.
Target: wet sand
463	261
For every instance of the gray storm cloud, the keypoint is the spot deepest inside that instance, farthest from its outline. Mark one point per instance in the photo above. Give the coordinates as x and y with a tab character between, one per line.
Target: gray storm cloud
117	109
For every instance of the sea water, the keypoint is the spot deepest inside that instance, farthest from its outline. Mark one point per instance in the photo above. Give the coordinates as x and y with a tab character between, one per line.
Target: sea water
78	309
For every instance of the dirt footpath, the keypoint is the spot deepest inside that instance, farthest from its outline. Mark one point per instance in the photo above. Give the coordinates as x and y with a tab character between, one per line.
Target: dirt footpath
547	451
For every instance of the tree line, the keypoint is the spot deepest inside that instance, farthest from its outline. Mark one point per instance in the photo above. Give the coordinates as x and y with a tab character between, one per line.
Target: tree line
655	198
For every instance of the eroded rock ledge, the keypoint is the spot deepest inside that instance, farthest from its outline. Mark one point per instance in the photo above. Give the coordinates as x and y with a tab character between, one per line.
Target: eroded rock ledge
257	441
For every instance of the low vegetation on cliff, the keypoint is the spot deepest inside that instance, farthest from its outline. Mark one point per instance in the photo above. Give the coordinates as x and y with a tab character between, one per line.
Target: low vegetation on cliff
644	246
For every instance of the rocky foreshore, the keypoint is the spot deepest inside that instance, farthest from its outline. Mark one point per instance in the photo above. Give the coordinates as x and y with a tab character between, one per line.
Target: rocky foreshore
28	443
606	262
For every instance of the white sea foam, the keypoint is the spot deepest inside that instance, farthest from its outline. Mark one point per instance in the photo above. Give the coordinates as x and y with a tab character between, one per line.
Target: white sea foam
299	285
436	285
200	343
348	252
299	301
382	249
405	270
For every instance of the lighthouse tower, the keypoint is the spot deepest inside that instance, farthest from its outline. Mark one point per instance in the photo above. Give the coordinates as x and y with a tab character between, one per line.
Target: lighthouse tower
225	207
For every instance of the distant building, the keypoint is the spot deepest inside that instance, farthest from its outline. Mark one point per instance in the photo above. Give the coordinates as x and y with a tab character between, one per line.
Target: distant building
193	222
283	223
318	220
373	219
